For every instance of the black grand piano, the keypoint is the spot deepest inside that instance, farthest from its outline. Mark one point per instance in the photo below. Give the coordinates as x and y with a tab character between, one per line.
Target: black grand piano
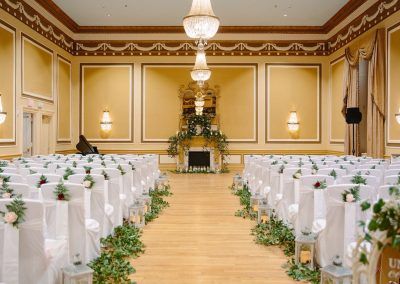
84	147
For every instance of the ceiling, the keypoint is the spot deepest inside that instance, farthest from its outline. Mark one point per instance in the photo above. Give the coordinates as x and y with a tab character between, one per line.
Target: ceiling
171	12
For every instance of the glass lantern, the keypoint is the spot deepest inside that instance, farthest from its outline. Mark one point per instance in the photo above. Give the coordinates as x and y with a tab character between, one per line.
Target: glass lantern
237	182
255	201
146	199
336	273
77	274
305	249
137	214
263	213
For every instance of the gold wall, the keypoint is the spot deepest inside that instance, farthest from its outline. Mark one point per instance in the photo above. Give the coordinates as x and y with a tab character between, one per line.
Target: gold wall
7	82
37	69
337	121
236	103
393	128
64	88
106	87
292	87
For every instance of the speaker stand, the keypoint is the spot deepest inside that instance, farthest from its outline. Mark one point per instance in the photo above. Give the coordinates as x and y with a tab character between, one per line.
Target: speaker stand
354	149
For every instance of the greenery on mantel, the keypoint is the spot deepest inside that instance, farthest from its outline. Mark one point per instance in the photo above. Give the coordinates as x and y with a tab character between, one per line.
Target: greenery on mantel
113	265
275	233
181	140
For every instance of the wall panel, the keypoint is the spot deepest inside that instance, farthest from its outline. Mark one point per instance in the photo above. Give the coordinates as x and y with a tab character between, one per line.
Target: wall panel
393	104
37	69
64	100
337	121
7	82
293	87
107	87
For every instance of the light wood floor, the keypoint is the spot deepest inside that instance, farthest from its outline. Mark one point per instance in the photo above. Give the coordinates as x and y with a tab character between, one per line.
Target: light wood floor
199	240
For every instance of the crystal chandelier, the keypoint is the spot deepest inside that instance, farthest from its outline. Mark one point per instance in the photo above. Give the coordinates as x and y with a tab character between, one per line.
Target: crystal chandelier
201	22
3	114
200	72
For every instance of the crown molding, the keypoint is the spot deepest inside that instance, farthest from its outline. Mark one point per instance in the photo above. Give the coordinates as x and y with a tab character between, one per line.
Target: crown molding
376	13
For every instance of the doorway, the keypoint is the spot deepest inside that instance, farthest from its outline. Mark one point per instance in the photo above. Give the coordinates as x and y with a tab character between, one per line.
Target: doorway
27	135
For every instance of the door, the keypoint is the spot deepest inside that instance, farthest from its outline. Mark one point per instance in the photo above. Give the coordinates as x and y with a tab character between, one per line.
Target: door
45	135
27	135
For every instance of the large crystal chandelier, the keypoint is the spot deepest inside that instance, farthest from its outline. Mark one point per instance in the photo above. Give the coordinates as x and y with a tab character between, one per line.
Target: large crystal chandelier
201	22
200	72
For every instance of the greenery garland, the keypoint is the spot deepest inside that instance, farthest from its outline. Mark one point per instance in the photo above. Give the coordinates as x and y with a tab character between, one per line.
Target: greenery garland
182	138
113	264
245	196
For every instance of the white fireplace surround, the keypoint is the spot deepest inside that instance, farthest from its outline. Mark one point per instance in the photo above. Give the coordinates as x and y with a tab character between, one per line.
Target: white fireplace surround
200	149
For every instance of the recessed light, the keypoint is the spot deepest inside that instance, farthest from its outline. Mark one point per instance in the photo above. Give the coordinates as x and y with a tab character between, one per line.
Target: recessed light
108	15
285	15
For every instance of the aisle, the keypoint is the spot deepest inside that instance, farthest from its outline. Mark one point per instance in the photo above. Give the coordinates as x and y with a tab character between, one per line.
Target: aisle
199	240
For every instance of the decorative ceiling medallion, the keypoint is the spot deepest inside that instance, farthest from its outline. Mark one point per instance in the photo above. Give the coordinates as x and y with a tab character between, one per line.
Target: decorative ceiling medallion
32	18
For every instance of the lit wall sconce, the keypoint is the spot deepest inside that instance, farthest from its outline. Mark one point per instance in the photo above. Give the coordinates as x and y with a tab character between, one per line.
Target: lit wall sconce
293	123
397	115
3	114
105	122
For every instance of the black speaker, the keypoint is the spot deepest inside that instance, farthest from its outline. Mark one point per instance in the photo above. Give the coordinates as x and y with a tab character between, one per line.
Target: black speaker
353	115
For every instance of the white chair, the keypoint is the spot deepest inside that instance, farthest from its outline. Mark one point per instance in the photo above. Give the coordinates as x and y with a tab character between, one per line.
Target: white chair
33	182
391	180
327	171
392	172
12	177
370	180
38	260
384	192
83	235
63	171
9	170
97	202
20	189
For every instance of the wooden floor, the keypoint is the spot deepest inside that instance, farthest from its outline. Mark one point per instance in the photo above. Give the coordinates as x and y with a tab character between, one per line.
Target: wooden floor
199	240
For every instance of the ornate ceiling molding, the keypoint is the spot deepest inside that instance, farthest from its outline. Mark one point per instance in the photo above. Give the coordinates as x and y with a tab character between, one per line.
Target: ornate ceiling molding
32	18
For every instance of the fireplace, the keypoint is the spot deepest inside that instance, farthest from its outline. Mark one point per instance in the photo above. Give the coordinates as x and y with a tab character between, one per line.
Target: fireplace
199	159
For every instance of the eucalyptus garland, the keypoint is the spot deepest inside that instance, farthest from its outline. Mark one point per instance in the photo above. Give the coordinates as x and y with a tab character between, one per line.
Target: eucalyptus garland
182	138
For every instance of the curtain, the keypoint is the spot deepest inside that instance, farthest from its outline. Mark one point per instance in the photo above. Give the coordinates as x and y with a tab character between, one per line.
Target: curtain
373	51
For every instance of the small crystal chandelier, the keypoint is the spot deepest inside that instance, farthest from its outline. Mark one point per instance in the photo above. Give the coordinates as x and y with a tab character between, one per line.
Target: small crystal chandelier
3	114
293	123
200	72
106	123
201	22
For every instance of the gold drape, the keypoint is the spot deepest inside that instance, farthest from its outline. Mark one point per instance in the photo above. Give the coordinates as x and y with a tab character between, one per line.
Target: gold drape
373	51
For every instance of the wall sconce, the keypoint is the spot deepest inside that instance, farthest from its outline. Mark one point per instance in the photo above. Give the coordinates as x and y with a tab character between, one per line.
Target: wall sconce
199	103
106	123
397	115
3	114
293	123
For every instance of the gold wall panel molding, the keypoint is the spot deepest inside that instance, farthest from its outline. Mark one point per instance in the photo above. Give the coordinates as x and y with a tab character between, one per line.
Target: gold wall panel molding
117	107
33	85
367	20
64	119
303	109
393	86
8	85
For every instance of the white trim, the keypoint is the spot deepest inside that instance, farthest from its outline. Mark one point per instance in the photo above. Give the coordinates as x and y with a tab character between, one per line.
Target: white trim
331	140
59	139
246	65
93	65
282	65
13	139
28	93
388	140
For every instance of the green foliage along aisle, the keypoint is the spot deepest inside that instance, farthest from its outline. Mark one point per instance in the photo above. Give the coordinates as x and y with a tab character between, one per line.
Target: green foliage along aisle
275	233
113	265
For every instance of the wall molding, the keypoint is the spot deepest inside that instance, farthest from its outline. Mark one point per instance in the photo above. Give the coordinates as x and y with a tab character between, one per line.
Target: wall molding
100	47
270	140
12	141
130	139
61	140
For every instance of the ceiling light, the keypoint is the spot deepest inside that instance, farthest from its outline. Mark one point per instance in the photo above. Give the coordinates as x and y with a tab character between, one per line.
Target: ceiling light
201	22
285	15
200	72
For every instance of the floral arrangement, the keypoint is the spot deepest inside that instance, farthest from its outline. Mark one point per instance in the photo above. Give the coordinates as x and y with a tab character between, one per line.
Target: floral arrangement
121	170
31	172
88	182
61	192
1	170
87	169
351	195
320	185
4	179
182	138
42	180
90	160
68	172
103	164
314	168
297	174
46	165
385	219
15	212
358	179
274	162
281	169
373	167
74	164
333	174
6	191
106	176
3	164
132	165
